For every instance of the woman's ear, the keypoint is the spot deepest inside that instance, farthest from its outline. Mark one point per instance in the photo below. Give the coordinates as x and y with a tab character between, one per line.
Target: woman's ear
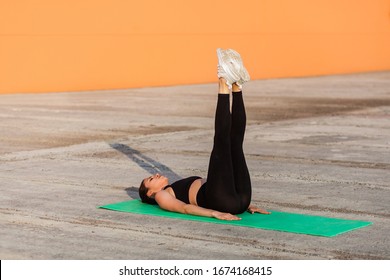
150	193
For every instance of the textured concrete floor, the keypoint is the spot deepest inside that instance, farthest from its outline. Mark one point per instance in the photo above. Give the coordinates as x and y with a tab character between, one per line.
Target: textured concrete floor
318	145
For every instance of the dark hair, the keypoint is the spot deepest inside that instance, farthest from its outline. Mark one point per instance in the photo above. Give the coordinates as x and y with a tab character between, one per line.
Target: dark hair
144	197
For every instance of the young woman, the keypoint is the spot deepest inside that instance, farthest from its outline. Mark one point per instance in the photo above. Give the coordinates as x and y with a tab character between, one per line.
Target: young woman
227	190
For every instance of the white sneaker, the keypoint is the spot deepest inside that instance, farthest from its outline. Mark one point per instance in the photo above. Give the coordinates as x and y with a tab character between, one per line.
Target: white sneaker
231	68
224	68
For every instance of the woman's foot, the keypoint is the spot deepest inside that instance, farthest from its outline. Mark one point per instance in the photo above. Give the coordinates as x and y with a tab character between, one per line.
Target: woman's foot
225	68
231	68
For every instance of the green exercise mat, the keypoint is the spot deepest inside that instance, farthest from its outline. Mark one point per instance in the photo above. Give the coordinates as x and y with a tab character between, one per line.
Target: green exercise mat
280	221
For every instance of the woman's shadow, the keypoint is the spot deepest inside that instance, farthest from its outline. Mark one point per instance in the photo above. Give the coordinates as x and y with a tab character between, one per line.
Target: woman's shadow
150	165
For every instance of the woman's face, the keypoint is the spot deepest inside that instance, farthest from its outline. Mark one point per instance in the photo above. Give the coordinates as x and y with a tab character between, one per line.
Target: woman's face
155	183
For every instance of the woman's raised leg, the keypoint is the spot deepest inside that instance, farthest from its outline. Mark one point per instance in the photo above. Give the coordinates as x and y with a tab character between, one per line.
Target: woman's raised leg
220	191
228	186
242	179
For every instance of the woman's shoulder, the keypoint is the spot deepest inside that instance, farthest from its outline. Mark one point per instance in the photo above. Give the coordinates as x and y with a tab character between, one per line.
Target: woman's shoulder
167	201
168	189
166	193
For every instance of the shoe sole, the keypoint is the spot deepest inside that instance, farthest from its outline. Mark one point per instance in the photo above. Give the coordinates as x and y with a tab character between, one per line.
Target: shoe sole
222	55
235	57
243	73
221	62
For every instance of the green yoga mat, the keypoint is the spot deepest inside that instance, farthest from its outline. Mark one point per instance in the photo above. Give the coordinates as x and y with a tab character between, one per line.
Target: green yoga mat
280	221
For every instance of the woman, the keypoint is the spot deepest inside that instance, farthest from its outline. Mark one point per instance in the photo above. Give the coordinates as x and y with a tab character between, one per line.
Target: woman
227	190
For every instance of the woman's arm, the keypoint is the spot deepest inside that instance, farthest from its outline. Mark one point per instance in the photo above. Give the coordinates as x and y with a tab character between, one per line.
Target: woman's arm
167	202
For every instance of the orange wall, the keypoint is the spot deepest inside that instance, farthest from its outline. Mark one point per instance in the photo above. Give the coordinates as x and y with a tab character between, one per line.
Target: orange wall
71	45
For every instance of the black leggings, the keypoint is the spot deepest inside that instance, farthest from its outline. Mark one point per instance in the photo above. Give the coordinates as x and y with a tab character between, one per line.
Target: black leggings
228	187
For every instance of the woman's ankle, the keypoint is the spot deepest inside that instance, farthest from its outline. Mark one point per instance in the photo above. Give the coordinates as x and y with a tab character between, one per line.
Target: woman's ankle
236	88
223	87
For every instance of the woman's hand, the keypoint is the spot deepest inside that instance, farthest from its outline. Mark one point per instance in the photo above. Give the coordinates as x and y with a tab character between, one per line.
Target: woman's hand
224	216
253	209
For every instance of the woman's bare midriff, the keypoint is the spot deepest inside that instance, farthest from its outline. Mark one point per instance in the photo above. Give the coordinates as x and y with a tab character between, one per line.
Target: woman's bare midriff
194	188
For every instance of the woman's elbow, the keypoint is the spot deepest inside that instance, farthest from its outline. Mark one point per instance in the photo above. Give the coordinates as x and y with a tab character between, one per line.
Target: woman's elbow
186	209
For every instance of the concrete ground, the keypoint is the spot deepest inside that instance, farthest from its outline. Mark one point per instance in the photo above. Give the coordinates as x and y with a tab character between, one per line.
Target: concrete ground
317	145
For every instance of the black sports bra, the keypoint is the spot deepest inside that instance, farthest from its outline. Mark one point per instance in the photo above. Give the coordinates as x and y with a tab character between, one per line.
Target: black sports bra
181	188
